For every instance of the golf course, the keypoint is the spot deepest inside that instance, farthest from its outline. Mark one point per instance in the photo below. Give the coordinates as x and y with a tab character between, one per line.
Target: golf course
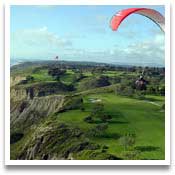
86	112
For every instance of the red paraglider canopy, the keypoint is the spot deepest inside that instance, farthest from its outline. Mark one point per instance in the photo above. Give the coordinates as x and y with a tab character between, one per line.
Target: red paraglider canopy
149	13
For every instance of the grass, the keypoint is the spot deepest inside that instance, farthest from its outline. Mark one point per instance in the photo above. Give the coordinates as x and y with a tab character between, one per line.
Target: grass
112	73
145	119
42	75
129	116
118	73
67	78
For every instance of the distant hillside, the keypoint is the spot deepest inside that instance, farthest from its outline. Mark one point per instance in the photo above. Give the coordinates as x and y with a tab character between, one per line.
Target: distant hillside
21	63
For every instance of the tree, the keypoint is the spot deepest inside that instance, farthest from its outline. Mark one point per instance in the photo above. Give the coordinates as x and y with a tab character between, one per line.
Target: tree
125	90
127	140
56	72
88	119
98	110
77	77
29	78
103	81
95	82
117	79
105	117
98	130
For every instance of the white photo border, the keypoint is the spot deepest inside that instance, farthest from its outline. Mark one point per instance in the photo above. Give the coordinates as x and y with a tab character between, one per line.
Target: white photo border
167	160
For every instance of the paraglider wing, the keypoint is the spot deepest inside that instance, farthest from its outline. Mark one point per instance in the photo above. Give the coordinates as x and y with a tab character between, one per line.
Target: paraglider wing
154	15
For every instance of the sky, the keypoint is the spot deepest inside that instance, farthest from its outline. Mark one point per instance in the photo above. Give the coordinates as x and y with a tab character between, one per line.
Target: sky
82	33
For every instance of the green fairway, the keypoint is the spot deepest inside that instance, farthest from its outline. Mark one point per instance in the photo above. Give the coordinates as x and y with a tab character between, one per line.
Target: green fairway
140	117
42	75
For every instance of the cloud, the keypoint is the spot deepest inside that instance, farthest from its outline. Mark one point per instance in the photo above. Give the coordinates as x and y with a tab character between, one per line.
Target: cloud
40	43
36	42
42	36
150	51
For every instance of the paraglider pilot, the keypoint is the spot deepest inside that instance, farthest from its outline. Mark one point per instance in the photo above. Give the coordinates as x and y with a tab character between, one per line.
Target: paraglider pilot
141	83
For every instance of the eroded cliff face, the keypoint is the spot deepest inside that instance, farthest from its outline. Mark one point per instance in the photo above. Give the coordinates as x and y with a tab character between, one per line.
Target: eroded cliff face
18	94
49	141
21	92
27	112
16	79
56	141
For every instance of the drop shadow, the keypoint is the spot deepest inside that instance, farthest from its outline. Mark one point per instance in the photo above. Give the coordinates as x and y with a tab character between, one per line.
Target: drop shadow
90	168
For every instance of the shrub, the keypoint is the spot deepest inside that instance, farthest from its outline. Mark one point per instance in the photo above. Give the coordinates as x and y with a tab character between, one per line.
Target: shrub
98	130
91	83
23	82
105	147
132	155
139	95
125	90
16	137
98	110
105	117
88	119
127	140
82	108
56	73
30	78
73	103
77	77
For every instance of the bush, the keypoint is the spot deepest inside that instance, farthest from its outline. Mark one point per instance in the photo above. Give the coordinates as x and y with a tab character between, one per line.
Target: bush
73	103
105	147
98	110
95	82
16	137
77	77
30	78
88	119
82	108
127	140
116	79
105	117
56	73
139	95
132	155
125	90
23	82
98	130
